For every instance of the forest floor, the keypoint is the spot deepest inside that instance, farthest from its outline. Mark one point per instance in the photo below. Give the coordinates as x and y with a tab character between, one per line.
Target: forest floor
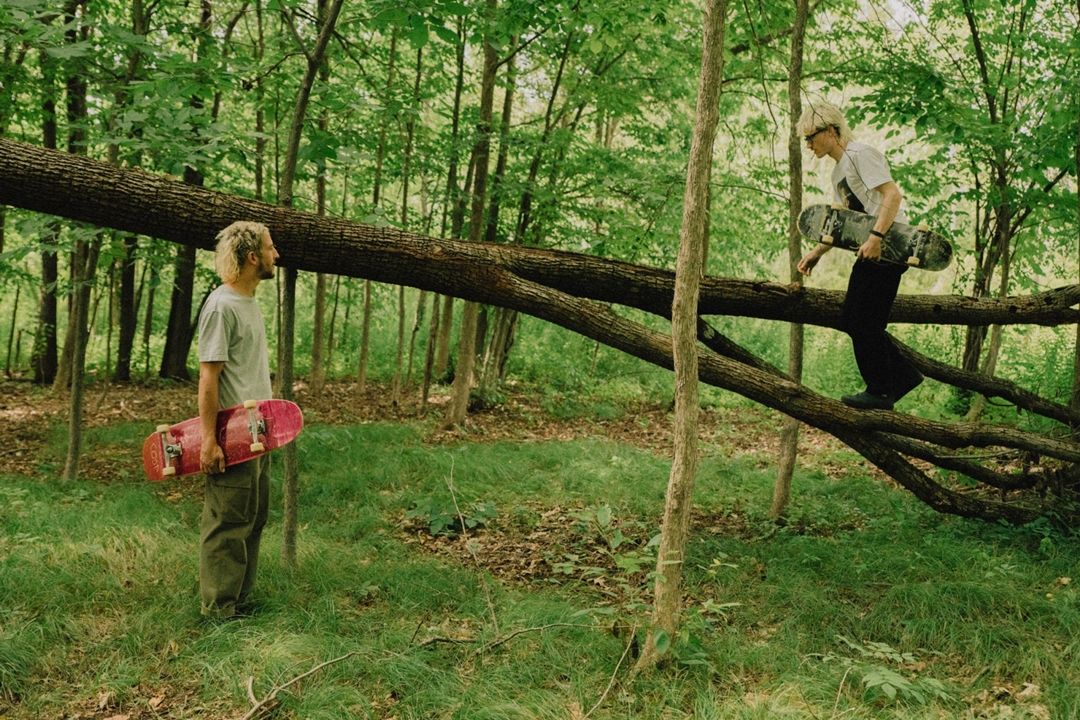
30	415
99	617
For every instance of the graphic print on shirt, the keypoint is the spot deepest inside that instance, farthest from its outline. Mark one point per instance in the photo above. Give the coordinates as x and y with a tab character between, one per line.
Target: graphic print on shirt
851	200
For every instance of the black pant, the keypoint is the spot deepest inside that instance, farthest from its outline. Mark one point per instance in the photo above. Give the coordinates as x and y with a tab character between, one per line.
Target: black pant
871	290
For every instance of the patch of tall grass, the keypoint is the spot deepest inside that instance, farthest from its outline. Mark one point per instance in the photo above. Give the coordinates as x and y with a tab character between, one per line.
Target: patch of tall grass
862	587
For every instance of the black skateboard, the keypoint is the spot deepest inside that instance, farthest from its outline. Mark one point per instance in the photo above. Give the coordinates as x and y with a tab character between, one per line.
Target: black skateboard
903	244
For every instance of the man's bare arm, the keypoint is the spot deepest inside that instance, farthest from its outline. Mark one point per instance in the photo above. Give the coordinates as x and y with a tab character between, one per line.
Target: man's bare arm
890	206
211	456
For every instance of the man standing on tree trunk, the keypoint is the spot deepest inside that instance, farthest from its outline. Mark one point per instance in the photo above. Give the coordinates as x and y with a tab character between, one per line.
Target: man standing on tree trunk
862	182
233	367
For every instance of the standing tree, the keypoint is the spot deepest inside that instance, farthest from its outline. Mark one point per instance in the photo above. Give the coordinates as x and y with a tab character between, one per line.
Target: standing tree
327	18
675	530
463	374
789	437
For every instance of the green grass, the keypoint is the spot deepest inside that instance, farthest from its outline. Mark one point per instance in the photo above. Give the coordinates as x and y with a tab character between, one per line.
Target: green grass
99	608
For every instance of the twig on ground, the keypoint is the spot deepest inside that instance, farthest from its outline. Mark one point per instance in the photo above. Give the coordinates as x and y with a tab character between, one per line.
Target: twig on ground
269	697
476	560
417	630
840	692
496	643
451	641
611	683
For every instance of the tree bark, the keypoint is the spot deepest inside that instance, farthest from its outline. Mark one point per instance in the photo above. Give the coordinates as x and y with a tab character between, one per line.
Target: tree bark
675	529
466	362
134	201
84	274
327	17
76	105
1074	400
789	436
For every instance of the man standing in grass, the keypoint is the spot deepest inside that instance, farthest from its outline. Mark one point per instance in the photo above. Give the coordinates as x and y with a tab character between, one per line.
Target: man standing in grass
233	367
862	182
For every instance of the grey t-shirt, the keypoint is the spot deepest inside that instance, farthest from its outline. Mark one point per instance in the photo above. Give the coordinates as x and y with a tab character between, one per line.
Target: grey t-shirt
231	330
860	170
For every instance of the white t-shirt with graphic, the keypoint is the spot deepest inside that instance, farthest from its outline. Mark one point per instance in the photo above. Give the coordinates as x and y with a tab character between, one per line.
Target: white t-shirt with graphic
857	174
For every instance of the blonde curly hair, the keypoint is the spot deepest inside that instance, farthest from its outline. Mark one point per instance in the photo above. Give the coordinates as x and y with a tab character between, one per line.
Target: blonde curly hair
824	115
233	245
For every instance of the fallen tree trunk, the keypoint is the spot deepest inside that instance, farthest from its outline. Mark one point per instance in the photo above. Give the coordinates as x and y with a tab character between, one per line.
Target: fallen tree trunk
135	201
539	282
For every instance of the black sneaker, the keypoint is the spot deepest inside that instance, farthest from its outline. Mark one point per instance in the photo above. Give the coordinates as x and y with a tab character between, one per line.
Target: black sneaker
868	401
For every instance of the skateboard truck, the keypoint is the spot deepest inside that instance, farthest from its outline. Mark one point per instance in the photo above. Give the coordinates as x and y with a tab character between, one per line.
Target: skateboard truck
829	224
168	451
255	426
923	230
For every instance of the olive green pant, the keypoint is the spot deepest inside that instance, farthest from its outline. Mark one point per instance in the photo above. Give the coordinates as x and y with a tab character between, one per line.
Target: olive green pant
234	514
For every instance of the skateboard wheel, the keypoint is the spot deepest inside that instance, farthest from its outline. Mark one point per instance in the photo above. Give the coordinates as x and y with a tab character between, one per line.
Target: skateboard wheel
162	428
923	227
913	260
827	239
168	471
249	404
257	447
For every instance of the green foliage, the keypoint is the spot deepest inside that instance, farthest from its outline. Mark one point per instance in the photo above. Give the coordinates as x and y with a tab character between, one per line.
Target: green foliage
444	518
883	683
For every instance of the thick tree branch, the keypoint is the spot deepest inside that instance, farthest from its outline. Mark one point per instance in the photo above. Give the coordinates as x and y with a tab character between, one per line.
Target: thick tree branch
134	201
138	202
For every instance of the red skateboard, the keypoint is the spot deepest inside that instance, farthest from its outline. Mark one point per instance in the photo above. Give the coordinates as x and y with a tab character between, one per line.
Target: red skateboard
243	432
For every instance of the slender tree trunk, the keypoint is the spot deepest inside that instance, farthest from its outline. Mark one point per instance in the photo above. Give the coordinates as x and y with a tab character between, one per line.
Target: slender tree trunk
410	127
333	320
11	334
418	320
463	374
1074	401
318	369
993	350
260	98
675	530
495	357
789	436
442	351
45	360
77	89
129	310
80	309
110	321
429	356
525	208
453	197
380	156
327	17
365	339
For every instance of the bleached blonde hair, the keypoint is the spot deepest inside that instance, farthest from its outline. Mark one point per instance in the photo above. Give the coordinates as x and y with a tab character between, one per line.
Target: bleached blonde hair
233	245
823	115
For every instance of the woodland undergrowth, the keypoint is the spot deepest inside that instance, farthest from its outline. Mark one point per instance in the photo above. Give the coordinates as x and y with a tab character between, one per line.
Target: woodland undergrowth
506	572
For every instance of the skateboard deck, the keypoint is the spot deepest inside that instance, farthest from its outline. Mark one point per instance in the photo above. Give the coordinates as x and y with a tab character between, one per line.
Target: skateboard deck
244	432
903	244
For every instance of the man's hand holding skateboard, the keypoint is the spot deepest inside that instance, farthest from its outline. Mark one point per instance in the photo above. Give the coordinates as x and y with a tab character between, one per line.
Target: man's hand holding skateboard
212	458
